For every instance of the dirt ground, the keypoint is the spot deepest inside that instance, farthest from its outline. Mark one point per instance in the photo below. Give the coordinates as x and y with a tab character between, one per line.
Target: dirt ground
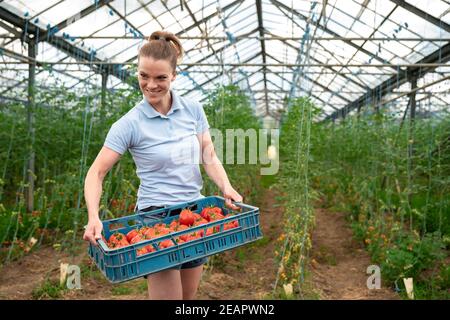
339	263
338	268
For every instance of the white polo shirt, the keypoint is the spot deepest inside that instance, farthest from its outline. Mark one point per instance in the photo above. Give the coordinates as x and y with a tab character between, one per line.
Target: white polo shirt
165	149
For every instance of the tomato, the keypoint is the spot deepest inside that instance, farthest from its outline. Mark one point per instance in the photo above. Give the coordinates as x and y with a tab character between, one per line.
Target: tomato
229	225
143	230
118	240
210	231
144	250
212	213
162	232
182	227
141	251
150	233
174	225
200	222
166	244
234	223
217	216
218	210
206	213
184	237
137	238
197	234
187	217
191	237
159	226
131	234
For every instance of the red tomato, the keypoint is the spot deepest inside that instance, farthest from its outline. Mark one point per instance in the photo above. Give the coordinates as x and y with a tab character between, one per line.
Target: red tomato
191	237
174	225
143	230
209	231
187	217
200	222
166	244
118	240
217	210
196	216
206	213
141	251
150	233
137	238
162	232
212	213
159	226
182	227
132	234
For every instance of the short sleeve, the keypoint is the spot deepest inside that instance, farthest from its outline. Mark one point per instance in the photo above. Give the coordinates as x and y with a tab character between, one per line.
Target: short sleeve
202	121
119	136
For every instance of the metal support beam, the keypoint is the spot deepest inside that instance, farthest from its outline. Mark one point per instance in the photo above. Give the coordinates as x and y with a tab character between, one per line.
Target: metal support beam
65	46
265	38
318	25
104	83
67	22
412	115
263	47
428	17
125	20
31	129
442	55
325	88
220	74
329	68
191	14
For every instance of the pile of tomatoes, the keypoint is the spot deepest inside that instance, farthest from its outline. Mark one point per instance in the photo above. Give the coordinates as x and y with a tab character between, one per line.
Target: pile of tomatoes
186	219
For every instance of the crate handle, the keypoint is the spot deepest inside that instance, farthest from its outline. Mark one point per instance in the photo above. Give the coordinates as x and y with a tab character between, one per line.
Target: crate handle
242	205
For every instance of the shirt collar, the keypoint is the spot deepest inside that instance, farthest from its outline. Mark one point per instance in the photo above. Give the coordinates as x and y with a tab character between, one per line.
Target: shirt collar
150	112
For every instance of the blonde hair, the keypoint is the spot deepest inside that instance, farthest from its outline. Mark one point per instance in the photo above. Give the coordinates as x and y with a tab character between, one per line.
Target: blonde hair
162	45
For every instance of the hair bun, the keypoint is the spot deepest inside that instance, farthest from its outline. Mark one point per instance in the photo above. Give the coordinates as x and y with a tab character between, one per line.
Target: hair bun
170	49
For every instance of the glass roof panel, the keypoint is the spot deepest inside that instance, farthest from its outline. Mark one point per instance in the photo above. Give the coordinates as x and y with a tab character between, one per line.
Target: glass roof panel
433	7
115	39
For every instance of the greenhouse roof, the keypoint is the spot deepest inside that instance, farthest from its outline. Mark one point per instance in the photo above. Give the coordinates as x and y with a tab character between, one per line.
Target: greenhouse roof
342	54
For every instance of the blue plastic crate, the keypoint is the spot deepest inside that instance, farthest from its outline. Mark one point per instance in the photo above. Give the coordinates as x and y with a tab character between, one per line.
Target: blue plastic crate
123	264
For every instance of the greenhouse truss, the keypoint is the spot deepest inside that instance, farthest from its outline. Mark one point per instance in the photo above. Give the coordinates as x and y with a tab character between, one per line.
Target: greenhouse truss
347	56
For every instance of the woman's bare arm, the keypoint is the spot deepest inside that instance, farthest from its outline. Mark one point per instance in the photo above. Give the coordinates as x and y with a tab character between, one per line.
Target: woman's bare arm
105	160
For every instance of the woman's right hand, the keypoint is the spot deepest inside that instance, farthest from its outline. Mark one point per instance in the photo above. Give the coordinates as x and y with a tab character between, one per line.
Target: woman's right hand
93	231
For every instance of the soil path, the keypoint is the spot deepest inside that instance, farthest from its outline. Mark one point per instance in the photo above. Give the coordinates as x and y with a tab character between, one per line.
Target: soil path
339	263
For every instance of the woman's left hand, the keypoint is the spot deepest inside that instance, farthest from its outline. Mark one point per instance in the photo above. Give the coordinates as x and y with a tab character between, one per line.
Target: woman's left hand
231	195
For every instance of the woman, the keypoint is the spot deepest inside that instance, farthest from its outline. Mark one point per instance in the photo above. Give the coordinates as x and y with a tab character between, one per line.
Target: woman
162	132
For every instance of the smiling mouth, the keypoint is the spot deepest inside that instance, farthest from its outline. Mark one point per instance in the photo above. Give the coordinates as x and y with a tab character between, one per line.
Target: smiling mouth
153	92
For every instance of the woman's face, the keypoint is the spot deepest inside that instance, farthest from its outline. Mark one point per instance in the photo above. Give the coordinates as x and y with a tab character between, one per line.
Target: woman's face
155	77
